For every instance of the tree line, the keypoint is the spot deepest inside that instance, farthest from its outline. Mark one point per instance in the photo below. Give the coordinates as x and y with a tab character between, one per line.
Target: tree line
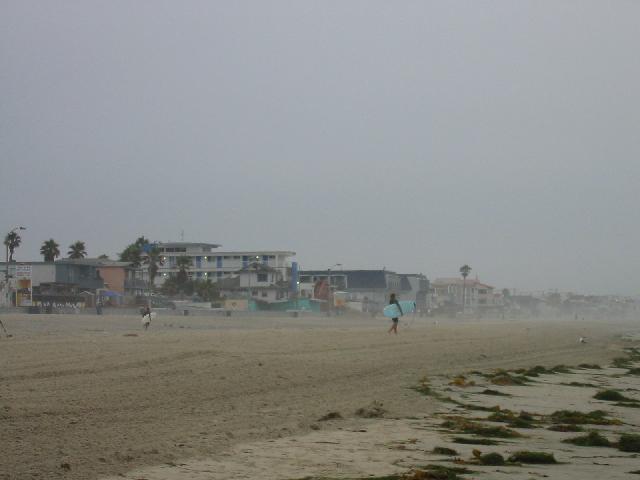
50	249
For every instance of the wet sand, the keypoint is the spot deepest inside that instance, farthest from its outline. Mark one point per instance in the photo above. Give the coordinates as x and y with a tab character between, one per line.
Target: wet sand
92	397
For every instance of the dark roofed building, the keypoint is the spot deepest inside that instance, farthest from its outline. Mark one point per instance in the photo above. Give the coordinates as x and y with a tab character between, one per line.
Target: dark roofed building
371	288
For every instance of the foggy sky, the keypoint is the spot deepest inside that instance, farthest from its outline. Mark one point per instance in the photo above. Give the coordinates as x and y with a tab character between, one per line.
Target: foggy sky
416	136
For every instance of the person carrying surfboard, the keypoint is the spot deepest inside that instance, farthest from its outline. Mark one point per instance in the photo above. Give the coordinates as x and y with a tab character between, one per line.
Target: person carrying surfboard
394	325
146	316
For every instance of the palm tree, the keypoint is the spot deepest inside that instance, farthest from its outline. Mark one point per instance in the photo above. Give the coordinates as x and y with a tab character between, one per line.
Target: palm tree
49	250
77	250
12	241
183	263
153	259
464	271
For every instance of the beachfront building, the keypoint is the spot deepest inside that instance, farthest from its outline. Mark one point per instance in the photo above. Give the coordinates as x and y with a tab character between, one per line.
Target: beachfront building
449	293
207	262
366	290
259	283
118	277
57	282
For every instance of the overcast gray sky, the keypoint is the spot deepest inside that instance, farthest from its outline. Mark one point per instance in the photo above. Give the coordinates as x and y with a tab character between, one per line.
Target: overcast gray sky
416	136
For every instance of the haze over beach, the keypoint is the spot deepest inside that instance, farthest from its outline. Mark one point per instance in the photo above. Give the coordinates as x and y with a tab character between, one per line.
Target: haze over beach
416	136
319	240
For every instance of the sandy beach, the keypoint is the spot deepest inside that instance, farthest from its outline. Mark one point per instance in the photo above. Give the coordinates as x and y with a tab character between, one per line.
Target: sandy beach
88	397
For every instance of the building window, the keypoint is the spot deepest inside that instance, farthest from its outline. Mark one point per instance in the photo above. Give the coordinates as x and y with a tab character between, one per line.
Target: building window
262	277
265	294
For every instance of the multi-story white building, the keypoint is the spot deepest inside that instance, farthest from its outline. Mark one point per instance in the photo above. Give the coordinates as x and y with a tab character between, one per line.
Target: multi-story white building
451	291
209	263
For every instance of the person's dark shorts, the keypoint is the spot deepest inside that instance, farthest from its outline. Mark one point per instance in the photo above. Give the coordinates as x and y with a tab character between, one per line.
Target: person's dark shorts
394	320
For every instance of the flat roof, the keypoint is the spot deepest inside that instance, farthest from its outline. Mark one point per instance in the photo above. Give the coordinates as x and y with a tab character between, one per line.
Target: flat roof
187	244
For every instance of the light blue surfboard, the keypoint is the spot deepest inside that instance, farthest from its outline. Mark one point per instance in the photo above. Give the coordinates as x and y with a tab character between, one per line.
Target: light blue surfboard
392	311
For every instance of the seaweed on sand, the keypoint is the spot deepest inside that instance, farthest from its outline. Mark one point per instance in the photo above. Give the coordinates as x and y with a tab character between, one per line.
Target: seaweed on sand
613	396
590	366
492	458
525	456
592	439
596	417
474	441
489	391
504	378
522	420
461	381
463	425
444	451
629	442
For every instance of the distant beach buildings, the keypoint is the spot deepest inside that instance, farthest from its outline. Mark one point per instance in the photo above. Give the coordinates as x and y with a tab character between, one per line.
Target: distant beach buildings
209	263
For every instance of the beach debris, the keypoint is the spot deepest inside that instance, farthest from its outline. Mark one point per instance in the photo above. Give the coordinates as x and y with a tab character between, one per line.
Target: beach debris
590	366
330	416
580	384
489	391
613	396
65	466
464	425
461	381
444	451
596	417
522	420
474	441
592	439
374	410
504	378
492	458
525	456
424	386
434	472
621	362
582	340
629	442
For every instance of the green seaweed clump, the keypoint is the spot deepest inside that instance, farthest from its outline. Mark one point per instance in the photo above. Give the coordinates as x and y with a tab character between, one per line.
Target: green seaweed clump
489	391
463	425
436	472
444	451
590	366
474	441
613	396
523	420
596	417
525	456
592	439
504	378
621	362
562	427
492	458
629	442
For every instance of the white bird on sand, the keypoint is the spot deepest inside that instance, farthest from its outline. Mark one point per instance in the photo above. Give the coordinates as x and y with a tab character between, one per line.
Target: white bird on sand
582	340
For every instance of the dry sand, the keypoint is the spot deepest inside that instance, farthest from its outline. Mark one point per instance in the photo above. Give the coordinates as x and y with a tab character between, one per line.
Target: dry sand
91	397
